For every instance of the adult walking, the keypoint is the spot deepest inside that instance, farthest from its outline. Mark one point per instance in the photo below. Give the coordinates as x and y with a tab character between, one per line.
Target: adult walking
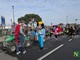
71	31
56	32
19	36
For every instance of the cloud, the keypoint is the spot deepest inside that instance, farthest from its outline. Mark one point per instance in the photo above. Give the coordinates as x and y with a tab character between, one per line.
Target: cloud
45	8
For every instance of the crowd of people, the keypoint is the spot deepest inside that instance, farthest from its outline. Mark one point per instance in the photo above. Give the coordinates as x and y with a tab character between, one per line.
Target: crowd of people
19	36
40	33
72	31
58	31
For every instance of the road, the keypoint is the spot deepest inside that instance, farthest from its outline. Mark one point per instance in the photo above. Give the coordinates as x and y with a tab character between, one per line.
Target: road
61	49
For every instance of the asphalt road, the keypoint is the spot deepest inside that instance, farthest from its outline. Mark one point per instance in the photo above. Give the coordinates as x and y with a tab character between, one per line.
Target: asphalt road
61	49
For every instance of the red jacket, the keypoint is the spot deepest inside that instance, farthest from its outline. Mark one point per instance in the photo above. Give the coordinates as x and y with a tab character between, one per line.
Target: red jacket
17	31
59	29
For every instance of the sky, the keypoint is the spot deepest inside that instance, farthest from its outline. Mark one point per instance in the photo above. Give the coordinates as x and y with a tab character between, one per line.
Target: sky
51	11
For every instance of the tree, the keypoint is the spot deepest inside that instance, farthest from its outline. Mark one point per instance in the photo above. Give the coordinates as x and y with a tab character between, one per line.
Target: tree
29	17
21	19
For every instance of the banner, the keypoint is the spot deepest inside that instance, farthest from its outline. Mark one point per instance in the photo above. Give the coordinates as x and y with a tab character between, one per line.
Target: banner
2	20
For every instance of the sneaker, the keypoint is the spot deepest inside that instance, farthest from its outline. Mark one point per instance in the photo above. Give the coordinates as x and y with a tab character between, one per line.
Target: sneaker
70	39
41	48
24	52
18	53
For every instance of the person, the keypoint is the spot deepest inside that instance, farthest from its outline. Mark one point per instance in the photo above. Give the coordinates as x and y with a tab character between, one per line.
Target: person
56	32
46	33
36	35
25	29
41	35
59	30
51	32
19	36
12	29
71	31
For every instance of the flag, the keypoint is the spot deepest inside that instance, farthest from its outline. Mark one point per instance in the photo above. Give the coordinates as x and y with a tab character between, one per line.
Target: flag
2	20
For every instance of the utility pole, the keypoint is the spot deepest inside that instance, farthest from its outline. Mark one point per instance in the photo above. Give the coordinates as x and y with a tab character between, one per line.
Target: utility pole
66	19
13	16
11	22
76	21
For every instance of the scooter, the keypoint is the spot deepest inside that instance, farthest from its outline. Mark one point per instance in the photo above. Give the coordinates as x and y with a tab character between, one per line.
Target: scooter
10	45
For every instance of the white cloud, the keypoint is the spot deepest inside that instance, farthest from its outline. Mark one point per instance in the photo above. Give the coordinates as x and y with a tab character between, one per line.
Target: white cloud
53	10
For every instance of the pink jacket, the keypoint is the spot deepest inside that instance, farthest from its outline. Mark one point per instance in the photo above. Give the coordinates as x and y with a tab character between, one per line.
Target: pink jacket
55	31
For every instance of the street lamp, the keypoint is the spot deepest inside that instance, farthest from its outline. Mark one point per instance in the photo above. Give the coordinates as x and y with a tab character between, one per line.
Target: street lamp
66	19
76	21
13	16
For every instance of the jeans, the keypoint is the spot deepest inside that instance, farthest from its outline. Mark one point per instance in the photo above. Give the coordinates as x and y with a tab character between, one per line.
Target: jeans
21	39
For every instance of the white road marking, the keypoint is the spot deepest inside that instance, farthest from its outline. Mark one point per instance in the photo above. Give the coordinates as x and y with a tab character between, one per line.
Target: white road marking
70	39
44	56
